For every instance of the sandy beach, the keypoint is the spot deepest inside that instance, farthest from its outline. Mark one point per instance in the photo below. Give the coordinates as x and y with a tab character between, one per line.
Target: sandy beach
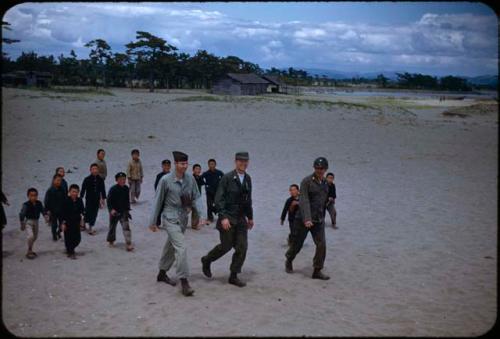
415	253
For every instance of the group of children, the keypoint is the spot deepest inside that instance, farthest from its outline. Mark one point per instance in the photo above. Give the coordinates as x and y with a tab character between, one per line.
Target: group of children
292	204
64	210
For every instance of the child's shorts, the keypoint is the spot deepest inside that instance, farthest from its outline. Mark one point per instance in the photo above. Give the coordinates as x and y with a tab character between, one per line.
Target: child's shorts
32	228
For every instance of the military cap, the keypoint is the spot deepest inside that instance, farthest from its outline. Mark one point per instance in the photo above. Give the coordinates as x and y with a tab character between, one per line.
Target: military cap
120	175
179	156
321	162
241	156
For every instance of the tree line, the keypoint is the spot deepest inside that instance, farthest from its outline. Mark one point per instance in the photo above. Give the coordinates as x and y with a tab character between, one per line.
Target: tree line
160	64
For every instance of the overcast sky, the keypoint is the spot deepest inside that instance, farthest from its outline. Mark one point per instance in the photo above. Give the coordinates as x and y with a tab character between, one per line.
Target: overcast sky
457	38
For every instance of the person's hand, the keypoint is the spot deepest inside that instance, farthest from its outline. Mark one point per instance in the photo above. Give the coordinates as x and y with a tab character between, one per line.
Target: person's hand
281	222
47	217
308	224
226	225
102	203
154	228
113	212
64	227
250	224
23	226
330	199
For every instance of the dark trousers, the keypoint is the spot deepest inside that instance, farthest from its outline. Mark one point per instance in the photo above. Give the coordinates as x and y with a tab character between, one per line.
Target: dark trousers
210	206
72	237
235	237
300	234
113	222
55	224
290	236
91	210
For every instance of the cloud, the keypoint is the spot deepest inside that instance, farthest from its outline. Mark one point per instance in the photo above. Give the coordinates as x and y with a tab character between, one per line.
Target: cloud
434	42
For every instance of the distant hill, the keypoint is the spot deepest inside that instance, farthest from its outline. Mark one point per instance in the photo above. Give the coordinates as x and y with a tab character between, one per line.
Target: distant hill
488	80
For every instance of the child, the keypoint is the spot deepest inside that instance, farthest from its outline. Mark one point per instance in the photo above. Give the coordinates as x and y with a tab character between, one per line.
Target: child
165	166
29	215
101	164
73	211
54	199
195	218
291	206
119	207
3	218
135	175
332	195
64	184
94	191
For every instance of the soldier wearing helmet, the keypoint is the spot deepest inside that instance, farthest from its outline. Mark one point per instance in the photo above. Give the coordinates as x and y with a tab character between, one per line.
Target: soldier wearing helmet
311	218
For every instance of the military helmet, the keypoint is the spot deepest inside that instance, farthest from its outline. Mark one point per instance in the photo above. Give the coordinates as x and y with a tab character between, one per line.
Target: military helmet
321	162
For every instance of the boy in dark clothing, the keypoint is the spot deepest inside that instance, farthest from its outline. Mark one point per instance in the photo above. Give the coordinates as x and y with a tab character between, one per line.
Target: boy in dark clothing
53	202
332	195
73	211
62	173
291	205
28	217
3	218
211	177
94	191
195	218
119	207
165	166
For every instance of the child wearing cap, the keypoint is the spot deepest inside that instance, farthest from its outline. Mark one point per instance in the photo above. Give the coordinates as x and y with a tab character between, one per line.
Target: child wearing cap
119	207
135	175
28	217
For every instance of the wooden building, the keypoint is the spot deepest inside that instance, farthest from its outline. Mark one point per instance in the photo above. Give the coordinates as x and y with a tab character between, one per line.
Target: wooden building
275	85
240	84
27	78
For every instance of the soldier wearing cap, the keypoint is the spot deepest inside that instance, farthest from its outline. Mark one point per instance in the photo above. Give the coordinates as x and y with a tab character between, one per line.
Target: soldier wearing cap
311	218
176	195
233	202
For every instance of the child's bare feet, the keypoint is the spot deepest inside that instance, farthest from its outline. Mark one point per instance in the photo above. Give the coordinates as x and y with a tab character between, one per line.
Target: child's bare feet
111	244
130	248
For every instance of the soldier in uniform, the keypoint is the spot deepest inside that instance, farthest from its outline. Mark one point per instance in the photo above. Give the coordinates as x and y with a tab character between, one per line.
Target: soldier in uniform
176	195
233	202
311	218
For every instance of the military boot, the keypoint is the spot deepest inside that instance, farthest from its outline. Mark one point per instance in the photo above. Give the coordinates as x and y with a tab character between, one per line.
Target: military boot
206	267
233	279
162	276
186	289
318	275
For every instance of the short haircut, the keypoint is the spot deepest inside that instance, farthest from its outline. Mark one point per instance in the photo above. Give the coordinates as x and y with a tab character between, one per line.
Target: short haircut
196	165
56	176
120	175
93	164
58	168
31	189
135	150
330	174
100	150
294	185
212	160
165	162
74	187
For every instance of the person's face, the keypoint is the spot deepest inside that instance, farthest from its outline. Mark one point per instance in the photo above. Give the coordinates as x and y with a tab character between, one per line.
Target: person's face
320	172
121	181
197	170
94	170
241	165
294	192
181	166
135	156
73	193
57	182
101	155
60	171
329	179
166	167
33	196
211	165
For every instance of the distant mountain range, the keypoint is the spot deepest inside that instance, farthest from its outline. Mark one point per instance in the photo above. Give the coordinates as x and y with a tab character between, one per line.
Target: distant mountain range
491	80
